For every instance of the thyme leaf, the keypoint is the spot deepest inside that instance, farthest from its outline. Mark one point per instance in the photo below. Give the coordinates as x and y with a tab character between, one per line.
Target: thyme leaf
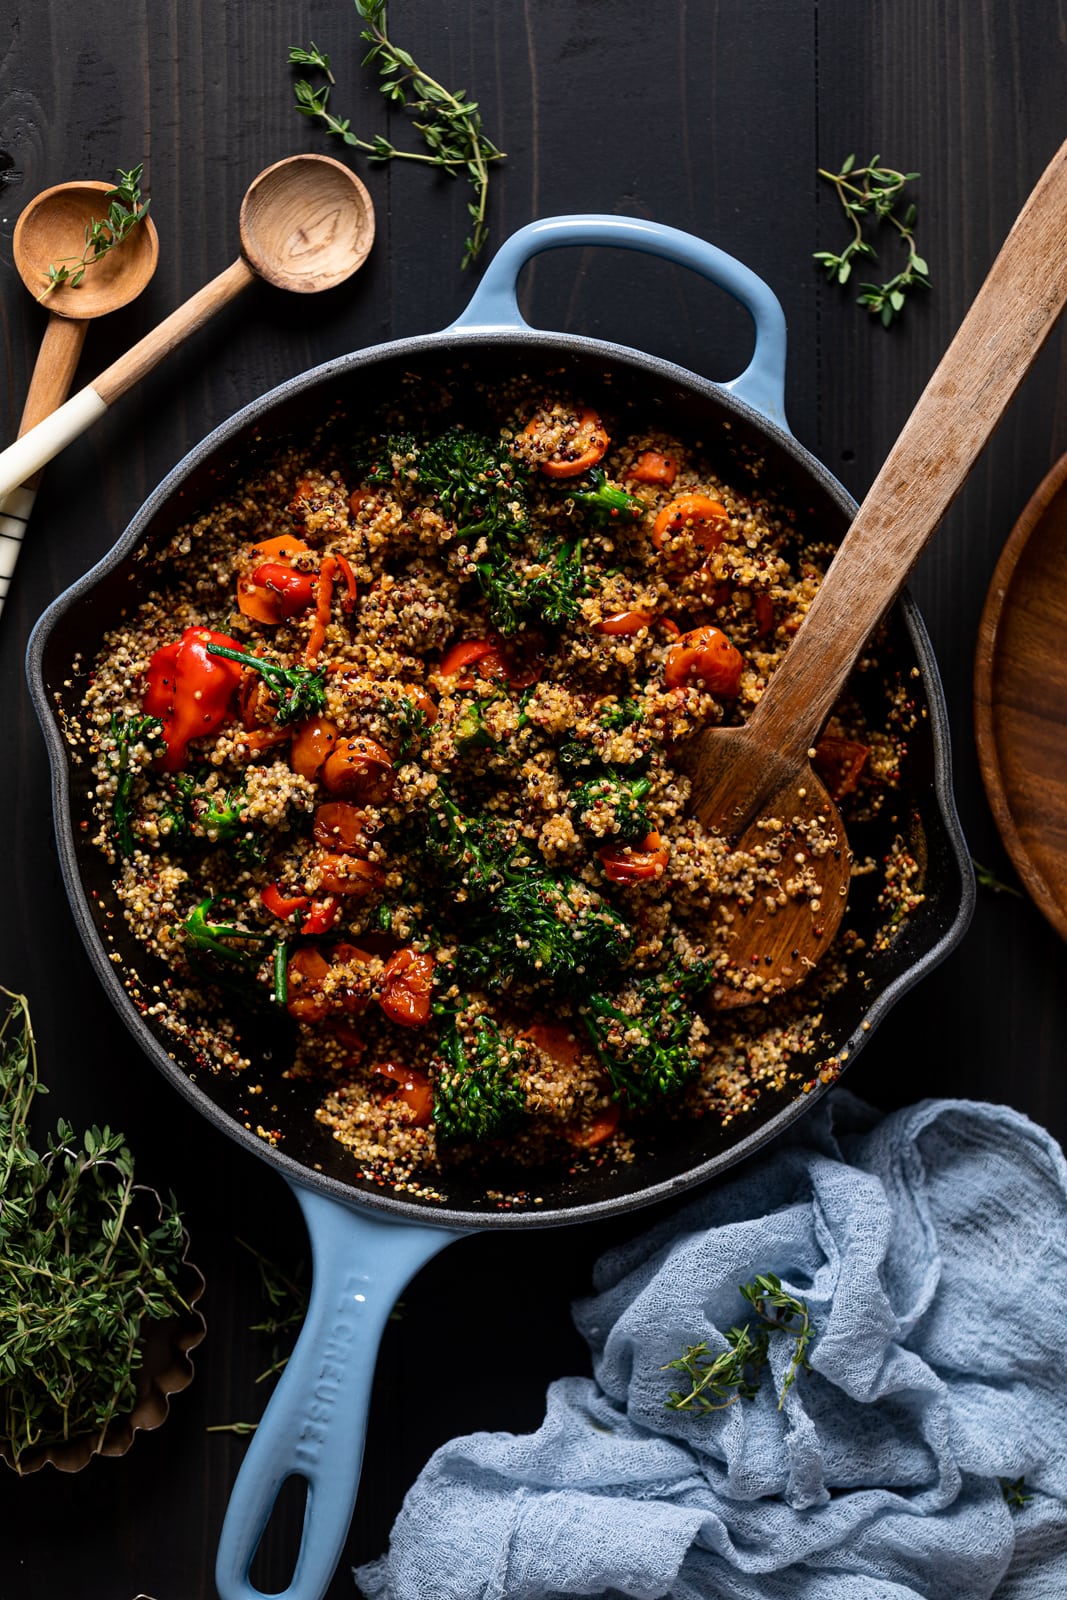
719	1380
125	209
874	192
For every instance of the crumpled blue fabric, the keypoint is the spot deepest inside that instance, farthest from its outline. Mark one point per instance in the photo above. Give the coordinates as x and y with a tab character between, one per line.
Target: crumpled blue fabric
931	1248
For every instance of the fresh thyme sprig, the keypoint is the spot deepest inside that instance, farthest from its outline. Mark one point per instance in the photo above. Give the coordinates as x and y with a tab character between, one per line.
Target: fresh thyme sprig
986	878
125	209
79	1276
720	1380
874	191
451	125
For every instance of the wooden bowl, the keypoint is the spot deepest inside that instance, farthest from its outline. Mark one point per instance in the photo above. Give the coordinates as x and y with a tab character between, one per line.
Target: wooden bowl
1020	696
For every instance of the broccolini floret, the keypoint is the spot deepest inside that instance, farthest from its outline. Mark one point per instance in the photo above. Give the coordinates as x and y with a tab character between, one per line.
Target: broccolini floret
300	691
125	733
605	502
476	1092
643	1034
196	814
621	796
543	925
473	480
550	596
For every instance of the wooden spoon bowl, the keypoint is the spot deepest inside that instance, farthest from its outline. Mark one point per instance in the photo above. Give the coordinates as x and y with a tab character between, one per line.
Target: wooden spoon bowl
52	229
307	223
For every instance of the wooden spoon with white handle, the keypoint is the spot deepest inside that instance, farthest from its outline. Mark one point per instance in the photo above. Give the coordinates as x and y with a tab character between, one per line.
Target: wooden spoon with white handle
744	776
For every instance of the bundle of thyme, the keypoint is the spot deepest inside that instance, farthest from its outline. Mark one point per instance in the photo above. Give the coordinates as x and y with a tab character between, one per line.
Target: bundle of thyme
450	124
125	209
79	1277
720	1380
874	191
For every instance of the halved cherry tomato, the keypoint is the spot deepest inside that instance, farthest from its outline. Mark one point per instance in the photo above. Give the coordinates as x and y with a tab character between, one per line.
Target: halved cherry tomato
705	657
584	445
359	498
315	916
306	973
485	654
556	1042
349	875
412	1090
339	825
294	590
280	904
493	664
625	622
763	610
651	467
347	1037
313	742
407	984
839	763
359	769
266	601
632	866
705	519
603	1125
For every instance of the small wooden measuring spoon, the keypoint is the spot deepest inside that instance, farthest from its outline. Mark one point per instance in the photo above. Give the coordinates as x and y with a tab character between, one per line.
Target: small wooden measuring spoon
744	776
52	229
307	223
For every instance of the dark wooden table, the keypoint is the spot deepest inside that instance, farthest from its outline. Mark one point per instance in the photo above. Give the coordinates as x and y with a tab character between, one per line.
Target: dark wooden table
713	117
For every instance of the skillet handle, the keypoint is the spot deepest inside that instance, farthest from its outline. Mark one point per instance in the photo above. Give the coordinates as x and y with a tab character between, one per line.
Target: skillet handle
315	1424
761	385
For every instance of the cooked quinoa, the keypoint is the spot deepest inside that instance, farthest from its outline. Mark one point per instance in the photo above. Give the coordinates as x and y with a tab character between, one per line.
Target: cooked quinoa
395	747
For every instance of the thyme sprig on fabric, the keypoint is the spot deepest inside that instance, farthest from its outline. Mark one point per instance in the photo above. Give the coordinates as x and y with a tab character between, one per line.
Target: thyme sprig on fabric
874	192
79	1275
718	1380
450	124
125	209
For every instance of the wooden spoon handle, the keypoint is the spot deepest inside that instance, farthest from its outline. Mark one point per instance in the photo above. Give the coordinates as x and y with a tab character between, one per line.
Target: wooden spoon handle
30	452
1015	311
53	374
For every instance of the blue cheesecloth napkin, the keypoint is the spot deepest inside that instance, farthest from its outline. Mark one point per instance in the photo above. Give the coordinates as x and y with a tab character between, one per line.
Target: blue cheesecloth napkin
930	1246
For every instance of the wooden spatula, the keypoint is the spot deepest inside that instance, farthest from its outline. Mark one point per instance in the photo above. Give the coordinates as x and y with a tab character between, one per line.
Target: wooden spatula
743	776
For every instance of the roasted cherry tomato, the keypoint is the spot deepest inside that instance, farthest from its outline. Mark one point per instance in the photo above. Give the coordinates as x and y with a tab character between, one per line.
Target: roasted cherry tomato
314	915
359	769
313	742
349	875
270	591
306	972
341	826
412	1090
581	447
705	658
484	654
191	692
703	518
406	987
586	1136
652	467
839	763
624	622
556	1042
633	866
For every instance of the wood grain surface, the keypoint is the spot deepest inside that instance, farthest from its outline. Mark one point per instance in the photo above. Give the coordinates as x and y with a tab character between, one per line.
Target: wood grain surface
713	116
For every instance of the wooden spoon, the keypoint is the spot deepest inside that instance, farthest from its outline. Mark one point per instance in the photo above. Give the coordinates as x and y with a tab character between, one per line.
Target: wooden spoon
307	223
744	776
52	229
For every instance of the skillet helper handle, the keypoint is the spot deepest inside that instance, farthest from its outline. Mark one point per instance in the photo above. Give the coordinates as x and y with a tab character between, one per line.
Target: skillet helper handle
315	1424
53	373
761	385
33	450
1011	317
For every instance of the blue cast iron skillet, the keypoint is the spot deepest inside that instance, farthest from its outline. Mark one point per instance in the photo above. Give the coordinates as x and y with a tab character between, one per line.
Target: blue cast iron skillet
367	1243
